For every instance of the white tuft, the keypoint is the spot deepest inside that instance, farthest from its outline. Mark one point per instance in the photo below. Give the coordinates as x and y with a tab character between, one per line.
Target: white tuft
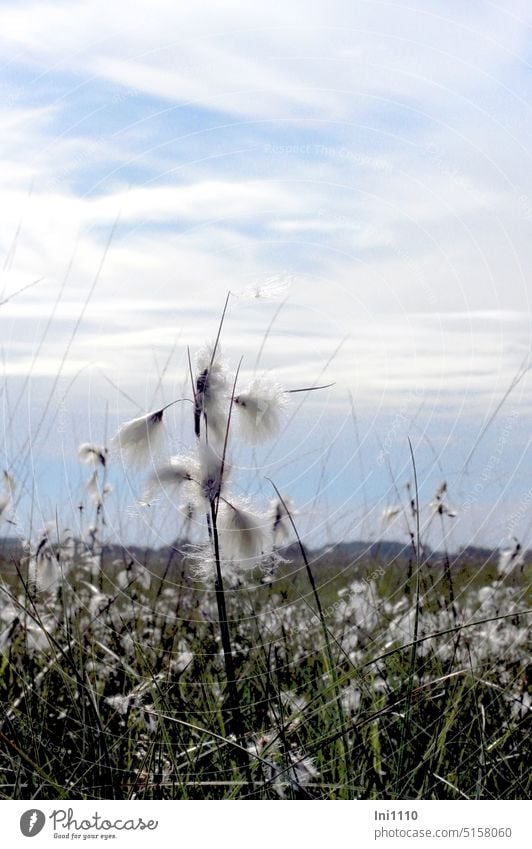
211	391
134	573
212	473
389	514
271	289
140	439
170	477
260	407
94	455
122	703
510	558
44	571
245	539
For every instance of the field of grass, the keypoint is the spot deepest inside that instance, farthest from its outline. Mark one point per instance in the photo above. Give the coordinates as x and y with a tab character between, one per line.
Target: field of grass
113	684
237	664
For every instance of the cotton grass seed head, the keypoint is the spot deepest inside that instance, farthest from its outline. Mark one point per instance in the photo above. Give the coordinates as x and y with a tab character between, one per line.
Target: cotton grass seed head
211	392
259	408
138	440
122	703
389	514
170	477
273	288
511	557
92	454
439	504
244	537
213	472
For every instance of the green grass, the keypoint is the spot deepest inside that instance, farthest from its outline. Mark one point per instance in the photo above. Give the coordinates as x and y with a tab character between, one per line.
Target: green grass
67	653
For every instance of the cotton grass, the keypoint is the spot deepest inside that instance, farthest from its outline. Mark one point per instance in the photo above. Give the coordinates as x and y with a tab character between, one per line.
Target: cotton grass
210	392
245	538
139	440
92	454
260	407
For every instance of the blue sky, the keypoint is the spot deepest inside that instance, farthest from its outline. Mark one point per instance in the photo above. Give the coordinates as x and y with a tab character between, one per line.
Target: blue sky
373	156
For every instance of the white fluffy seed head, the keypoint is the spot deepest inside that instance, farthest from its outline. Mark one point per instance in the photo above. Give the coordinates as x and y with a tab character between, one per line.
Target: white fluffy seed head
170	476
389	514
245	539
140	439
94	455
44	571
213	472
121	704
211	391
510	557
135	573
273	288
260	407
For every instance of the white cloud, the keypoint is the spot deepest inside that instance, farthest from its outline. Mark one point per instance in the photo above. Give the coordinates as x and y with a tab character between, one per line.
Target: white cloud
379	154
246	59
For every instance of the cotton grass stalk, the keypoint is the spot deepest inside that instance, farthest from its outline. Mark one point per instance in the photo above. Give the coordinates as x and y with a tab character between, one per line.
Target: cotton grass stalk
5	501
279	515
97	493
5	498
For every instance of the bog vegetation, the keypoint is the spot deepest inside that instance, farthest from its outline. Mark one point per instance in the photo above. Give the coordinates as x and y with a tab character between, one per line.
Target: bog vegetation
239	664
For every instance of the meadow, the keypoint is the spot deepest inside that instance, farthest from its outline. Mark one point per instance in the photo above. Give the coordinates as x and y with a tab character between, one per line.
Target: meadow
238	663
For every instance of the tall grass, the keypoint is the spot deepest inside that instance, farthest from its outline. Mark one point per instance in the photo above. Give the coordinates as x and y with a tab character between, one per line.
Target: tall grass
236	664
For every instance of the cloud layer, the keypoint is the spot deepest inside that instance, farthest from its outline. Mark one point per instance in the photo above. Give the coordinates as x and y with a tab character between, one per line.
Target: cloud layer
375	155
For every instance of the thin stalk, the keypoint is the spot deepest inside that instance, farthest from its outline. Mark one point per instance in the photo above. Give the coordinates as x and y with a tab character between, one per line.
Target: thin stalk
329	654
309	388
447	570
202	380
234	705
234	702
413	653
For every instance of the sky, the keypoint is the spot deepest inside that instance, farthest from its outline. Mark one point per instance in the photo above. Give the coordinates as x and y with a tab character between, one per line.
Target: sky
364	167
